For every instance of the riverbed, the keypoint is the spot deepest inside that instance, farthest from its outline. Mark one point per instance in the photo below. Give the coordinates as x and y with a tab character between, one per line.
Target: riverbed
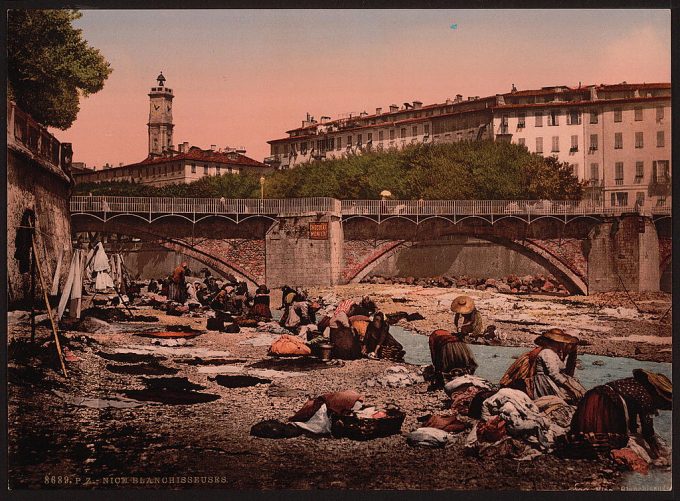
92	425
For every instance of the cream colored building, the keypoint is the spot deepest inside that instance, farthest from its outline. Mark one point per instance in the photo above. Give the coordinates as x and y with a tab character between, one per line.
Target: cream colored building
575	124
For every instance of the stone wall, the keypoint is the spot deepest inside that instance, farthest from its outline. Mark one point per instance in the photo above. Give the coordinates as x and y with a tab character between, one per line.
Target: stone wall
32	186
293	258
620	257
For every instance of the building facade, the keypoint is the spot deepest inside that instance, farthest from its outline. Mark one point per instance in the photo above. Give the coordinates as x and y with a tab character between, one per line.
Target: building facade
187	165
616	137
38	187
166	165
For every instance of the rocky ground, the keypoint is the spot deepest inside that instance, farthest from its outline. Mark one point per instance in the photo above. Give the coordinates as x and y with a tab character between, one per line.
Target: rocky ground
56	441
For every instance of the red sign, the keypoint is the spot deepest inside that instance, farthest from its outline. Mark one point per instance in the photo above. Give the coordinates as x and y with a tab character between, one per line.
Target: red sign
318	231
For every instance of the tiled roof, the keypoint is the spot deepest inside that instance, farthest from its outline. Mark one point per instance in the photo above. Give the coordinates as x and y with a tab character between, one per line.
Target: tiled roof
200	155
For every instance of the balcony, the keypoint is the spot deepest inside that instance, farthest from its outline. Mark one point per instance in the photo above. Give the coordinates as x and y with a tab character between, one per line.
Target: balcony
273	160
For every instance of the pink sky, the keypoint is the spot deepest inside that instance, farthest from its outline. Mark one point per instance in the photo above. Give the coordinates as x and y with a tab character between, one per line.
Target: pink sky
241	78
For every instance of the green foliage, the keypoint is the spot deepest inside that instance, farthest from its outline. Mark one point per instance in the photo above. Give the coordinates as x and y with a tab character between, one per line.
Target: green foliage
484	170
50	65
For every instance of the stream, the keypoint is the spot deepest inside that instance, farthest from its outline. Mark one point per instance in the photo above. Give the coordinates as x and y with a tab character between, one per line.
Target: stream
494	360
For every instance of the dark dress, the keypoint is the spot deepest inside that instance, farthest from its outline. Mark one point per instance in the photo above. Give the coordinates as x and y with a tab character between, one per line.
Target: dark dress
261	307
449	352
600	417
390	348
346	344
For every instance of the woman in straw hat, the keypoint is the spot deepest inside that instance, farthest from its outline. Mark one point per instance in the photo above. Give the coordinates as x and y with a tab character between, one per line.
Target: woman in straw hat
553	374
464	310
608	413
521	375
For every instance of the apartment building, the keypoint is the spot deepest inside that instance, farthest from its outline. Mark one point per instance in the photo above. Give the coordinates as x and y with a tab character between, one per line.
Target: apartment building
616	137
187	165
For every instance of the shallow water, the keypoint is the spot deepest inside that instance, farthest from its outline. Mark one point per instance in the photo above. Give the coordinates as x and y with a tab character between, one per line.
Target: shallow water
494	360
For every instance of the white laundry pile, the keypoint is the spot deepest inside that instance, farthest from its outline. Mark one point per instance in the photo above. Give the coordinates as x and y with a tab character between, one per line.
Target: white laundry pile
452	386
396	377
521	415
319	423
73	288
428	437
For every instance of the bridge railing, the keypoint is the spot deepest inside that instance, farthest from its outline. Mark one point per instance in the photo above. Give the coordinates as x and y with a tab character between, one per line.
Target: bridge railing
161	205
300	206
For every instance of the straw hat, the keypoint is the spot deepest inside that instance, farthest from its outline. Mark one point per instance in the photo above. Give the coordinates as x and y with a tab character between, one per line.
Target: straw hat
555	336
463	304
662	385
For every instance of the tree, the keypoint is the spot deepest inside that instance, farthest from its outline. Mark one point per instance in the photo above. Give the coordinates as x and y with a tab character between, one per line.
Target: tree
484	170
50	65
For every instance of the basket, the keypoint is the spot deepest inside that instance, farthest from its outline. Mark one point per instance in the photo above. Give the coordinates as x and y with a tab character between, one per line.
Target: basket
355	428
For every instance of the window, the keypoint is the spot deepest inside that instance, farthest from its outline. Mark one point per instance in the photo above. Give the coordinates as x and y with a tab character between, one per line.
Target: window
391	134
359	140
639	172
639	140
338	144
618	140
554	117
660	173
618	115
521	141
539	145
426	129
217	170
193	168
660	139
381	136
593	117
618	173
661	201
205	170
594	172
619	199
574	117
402	133
593	142
574	144
638	114
349	141
539	119
659	113
555	144
414	130
640	198
521	120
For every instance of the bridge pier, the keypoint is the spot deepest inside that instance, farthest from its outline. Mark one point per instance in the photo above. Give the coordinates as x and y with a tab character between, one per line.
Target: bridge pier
304	250
624	252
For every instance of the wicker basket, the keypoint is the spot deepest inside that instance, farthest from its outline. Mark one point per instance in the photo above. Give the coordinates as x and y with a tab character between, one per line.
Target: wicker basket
351	426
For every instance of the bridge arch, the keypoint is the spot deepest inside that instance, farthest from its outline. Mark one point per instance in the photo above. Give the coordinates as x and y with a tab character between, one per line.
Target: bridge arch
564	272
144	232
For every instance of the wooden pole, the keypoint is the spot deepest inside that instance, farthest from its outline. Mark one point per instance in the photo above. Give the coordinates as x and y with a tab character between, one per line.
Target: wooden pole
49	312
32	294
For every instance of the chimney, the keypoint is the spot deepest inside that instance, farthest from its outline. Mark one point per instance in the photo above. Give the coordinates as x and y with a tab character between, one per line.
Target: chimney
448	101
378	111
417	105
363	114
593	93
120	164
213	147
181	147
459	98
393	108
407	106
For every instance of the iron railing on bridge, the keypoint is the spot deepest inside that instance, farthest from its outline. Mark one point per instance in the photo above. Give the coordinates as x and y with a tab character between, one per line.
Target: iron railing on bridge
161	205
297	206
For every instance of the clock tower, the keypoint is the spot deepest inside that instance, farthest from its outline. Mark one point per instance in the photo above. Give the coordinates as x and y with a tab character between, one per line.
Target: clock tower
160	118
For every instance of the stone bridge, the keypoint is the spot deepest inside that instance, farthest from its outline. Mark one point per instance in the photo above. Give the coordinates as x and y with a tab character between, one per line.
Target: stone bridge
322	241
